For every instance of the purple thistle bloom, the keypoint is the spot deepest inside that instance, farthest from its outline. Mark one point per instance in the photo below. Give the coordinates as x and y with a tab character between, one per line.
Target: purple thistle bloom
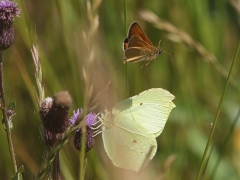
76	114
8	11
91	118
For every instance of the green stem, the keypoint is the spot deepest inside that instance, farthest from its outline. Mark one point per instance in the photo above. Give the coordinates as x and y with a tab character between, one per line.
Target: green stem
229	134
216	117
125	15
83	153
56	167
125	26
5	119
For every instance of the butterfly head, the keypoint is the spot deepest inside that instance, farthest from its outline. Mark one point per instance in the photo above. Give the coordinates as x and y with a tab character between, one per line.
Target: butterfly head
106	120
160	50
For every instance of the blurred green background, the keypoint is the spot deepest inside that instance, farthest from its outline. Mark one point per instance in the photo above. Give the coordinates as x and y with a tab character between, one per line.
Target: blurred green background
69	39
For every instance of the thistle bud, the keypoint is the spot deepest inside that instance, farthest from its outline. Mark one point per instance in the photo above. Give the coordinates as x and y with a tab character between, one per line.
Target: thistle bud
90	141
54	112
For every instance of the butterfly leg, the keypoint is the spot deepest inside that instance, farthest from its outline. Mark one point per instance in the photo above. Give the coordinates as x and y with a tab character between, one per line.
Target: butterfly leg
124	60
148	63
145	64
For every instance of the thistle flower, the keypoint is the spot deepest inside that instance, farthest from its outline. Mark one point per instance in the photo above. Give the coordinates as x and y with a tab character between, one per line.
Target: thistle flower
76	114
54	112
8	11
90	120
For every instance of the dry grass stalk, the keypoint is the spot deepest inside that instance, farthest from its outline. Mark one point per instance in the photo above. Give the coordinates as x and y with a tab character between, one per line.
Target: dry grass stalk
181	36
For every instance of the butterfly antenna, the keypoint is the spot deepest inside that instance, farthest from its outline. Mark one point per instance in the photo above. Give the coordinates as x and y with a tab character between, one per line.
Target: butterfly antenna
95	133
167	52
159	44
162	49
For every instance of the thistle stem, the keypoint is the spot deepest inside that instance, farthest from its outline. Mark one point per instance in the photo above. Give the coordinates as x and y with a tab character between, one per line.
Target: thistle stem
5	119
56	167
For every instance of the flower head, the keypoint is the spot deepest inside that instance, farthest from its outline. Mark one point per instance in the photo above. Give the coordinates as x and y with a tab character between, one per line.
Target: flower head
54	112
8	11
10	112
76	114
91	119
90	141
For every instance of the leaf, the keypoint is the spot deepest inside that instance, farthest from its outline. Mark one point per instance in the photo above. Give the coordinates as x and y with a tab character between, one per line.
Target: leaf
18	175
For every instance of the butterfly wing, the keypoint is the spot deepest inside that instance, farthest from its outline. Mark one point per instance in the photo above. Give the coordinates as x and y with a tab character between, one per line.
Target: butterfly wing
128	143
125	44
135	41
135	30
139	50
150	108
135	55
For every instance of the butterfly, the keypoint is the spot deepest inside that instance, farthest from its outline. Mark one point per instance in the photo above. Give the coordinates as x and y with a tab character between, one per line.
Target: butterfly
130	129
138	47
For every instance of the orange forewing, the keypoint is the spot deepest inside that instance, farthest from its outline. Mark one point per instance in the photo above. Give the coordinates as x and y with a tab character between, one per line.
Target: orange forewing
139	50
137	42
135	30
138	47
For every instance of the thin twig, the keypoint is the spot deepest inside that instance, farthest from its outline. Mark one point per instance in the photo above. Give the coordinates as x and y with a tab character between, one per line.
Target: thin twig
224	145
216	117
5	118
126	66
